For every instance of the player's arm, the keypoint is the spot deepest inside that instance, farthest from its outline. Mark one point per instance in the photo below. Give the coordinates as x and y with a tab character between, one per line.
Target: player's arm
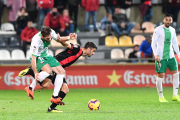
175	44
34	53
63	40
154	44
33	63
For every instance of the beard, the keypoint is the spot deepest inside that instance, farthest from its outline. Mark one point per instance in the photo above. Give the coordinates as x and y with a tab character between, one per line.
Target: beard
167	25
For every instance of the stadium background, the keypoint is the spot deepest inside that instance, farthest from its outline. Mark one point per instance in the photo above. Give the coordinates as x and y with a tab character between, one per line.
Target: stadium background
104	56
125	90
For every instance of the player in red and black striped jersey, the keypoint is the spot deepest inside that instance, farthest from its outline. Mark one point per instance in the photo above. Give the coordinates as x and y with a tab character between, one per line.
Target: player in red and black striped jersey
69	56
66	58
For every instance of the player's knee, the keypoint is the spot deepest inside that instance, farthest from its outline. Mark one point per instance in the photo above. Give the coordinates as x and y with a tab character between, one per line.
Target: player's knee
160	75
45	85
176	74
61	71
49	71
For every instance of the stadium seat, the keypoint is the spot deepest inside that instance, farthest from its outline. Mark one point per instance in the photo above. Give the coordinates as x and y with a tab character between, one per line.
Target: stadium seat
3	43
111	41
125	41
149	27
7	27
138	39
55	44
18	54
14	42
136	29
50	52
58	51
4	54
127	52
27	54
98	57
117	53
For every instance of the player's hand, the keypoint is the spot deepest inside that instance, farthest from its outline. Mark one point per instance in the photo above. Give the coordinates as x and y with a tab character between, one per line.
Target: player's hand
73	36
37	76
157	58
58	36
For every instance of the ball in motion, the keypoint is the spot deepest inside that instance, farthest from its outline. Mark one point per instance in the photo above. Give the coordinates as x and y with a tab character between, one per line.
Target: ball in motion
94	104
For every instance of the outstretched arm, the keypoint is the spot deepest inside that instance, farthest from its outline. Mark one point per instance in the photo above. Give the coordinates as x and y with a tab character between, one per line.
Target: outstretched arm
63	40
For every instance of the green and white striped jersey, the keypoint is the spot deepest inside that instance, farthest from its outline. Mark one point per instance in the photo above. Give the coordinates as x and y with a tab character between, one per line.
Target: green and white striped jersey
39	47
162	41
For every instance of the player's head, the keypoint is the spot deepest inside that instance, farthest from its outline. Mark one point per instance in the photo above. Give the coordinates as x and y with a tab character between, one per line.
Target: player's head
168	19
90	49
46	34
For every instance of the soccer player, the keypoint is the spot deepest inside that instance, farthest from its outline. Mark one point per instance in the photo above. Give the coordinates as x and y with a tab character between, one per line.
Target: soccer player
65	58
164	37
41	60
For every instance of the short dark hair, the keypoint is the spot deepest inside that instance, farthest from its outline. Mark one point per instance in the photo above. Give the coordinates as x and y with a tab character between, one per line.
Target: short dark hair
136	46
168	15
45	31
90	45
22	9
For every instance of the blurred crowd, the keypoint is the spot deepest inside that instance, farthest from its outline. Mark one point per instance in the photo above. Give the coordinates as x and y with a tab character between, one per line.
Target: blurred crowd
62	15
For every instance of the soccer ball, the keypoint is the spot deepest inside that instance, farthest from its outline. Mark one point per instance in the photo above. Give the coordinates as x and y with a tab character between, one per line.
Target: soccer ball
94	104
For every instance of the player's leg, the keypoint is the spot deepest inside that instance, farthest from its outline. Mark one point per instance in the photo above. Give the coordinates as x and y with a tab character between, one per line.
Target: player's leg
175	86
27	71
173	67
160	69
57	84
41	64
62	94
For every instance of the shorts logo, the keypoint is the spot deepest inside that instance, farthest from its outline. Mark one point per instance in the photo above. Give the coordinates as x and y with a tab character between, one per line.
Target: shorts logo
158	65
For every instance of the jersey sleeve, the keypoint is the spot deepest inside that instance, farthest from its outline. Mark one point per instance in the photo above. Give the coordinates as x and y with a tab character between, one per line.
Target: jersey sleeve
175	44
54	35
154	41
35	48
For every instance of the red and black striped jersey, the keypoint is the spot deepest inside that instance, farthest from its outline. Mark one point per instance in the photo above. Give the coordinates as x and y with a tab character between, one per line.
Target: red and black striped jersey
69	56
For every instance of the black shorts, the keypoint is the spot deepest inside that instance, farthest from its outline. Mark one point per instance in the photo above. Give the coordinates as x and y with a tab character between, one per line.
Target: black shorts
52	78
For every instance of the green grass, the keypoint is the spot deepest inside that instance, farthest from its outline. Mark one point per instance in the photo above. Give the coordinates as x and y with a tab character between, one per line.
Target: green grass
116	104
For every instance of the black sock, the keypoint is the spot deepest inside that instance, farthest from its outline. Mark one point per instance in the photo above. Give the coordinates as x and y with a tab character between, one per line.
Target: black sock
30	88
61	95
30	72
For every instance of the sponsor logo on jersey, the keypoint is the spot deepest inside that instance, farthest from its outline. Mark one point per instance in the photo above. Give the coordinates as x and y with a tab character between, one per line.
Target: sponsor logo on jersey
34	50
75	45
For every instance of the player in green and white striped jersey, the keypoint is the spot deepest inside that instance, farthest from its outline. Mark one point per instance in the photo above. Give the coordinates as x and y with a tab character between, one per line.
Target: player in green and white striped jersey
163	41
41	60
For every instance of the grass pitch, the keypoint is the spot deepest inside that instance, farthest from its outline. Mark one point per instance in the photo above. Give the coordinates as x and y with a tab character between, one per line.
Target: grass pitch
116	104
